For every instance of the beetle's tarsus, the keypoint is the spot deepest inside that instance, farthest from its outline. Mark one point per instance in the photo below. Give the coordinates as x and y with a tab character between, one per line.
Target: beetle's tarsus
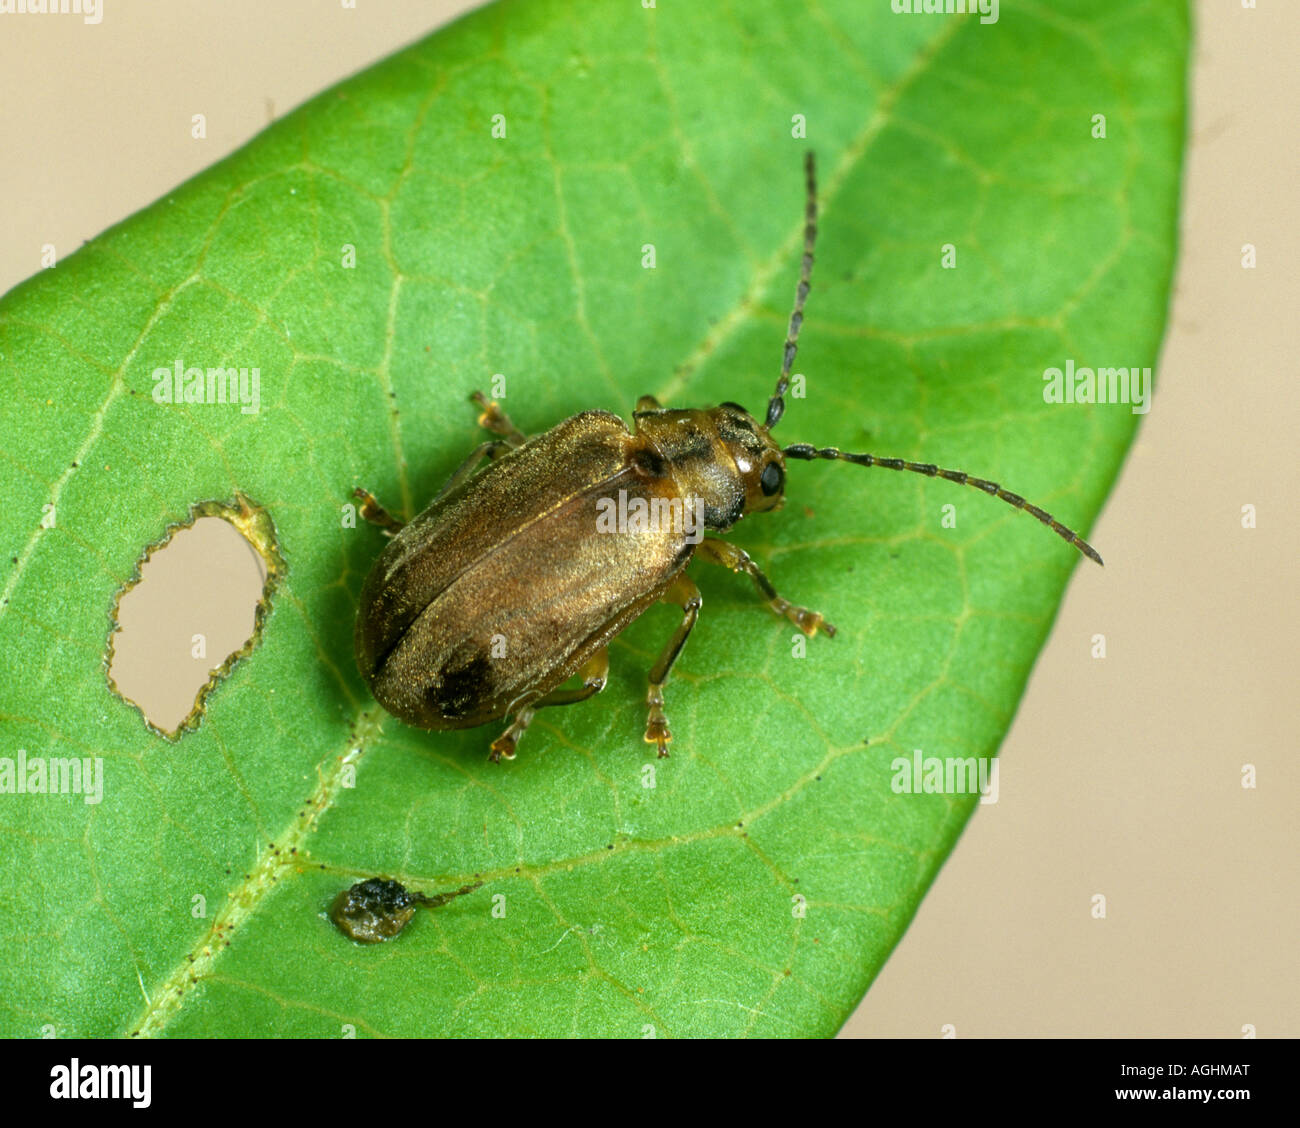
807	621
656	728
657	731
375	513
497	421
737	559
661	742
503	748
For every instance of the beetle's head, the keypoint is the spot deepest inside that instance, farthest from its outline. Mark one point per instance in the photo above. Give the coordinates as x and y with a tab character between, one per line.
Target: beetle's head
760	465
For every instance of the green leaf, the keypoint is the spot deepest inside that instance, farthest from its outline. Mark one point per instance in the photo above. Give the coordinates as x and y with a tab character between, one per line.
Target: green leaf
759	886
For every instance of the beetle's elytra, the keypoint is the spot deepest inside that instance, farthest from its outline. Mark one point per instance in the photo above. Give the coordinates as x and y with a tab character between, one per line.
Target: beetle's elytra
506	586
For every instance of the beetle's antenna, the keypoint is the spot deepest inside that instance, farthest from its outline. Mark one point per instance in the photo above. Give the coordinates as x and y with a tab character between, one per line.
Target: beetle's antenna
808	453
776	405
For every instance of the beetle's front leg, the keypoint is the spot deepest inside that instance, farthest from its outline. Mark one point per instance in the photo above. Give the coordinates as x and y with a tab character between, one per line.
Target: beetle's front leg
738	560
683	592
497	421
376	514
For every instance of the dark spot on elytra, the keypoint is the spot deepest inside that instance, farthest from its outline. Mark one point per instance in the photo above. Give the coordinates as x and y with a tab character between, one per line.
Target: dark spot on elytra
460	689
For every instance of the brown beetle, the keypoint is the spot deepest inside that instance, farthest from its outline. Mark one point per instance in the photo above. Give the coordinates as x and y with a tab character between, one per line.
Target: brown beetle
514	580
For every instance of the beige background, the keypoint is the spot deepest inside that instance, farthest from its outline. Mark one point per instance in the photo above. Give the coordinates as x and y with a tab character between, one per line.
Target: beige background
1121	776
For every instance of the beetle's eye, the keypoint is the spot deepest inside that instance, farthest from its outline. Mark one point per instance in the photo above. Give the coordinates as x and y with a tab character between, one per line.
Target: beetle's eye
736	406
773	477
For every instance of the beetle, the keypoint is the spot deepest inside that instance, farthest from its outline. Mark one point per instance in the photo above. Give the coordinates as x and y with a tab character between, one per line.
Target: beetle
506	586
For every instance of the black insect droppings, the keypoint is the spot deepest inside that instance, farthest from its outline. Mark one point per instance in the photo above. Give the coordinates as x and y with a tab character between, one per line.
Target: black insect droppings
378	908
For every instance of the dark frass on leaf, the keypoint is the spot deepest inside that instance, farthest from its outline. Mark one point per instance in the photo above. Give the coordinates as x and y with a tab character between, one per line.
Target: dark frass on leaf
378	908
439	655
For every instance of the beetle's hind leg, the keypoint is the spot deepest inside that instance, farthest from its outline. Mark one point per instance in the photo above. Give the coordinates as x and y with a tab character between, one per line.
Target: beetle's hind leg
594	673
738	560
503	748
375	513
683	592
497	421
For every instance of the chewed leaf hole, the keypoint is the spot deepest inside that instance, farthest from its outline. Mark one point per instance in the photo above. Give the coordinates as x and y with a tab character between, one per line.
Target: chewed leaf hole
194	608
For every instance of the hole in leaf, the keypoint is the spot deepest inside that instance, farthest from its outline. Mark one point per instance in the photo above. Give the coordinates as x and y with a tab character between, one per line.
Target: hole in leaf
194	608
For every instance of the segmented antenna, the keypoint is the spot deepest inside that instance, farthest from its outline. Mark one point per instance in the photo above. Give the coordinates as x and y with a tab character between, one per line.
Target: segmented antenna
808	453
776	405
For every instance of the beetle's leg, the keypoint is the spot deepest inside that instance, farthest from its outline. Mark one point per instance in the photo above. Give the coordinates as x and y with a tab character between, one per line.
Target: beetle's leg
738	560
375	513
504	745
648	403
683	592
497	421
593	672
493	448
